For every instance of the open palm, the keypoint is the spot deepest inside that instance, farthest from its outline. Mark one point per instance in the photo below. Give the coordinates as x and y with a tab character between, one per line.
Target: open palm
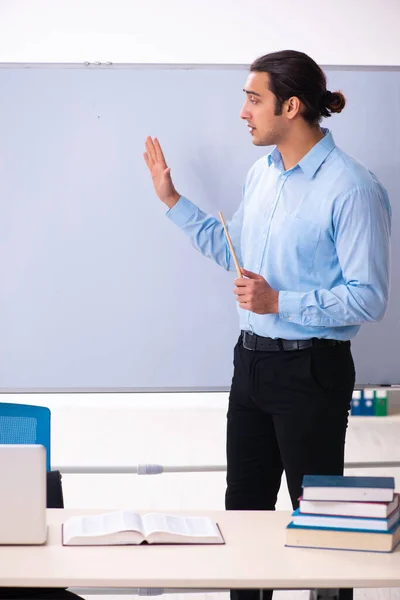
160	172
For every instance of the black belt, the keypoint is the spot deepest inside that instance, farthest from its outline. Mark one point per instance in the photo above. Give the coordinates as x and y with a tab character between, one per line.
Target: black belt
252	341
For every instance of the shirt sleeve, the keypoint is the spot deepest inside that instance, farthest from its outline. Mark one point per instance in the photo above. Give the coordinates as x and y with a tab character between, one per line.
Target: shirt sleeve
207	234
361	225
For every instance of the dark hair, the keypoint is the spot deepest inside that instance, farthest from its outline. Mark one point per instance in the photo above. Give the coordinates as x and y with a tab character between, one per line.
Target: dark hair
293	73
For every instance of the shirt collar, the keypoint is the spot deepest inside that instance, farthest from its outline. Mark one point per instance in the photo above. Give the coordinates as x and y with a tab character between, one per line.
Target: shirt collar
311	162
274	156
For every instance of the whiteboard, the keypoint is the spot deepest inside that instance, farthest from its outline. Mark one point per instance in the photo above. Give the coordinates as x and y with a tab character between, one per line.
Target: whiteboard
100	291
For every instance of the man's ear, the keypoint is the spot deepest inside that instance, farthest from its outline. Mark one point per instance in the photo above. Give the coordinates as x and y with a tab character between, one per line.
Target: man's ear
293	107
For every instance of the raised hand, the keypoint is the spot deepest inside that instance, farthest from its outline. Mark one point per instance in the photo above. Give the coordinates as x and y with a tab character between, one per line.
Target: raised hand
160	173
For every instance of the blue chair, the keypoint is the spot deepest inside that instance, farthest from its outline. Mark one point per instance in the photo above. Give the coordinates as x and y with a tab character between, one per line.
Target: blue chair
25	424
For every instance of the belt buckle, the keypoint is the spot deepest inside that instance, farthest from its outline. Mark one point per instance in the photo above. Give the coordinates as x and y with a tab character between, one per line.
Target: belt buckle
249	340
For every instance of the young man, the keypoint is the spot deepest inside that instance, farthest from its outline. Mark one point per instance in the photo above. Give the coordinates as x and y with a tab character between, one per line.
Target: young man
312	233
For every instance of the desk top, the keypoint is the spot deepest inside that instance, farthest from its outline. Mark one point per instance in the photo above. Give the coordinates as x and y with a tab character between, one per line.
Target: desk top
254	557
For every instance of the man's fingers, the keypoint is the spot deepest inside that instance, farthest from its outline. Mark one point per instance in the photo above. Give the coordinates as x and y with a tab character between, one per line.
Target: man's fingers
240	282
250	274
240	291
159	152
154	151
151	151
242	298
148	160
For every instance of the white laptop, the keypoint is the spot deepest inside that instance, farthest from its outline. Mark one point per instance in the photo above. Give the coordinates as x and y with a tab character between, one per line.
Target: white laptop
23	494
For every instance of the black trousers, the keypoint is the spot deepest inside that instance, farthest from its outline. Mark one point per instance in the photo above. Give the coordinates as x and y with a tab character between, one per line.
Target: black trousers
288	411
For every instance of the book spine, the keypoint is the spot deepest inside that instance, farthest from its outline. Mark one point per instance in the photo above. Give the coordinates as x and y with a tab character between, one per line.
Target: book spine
381	403
356	403
368	403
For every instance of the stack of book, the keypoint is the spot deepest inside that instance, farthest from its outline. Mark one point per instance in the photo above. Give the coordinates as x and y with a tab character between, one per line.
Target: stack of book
346	513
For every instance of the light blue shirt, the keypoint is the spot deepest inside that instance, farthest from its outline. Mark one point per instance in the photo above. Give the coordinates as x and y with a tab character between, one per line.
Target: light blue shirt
319	233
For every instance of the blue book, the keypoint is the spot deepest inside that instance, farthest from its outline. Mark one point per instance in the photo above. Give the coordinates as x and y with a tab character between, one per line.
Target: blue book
345	522
347	488
356	403
367	403
291	525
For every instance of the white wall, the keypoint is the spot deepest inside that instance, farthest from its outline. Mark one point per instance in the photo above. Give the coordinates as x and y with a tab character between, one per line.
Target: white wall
340	32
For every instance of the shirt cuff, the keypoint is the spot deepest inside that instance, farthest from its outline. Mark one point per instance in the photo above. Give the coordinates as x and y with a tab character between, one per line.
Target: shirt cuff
289	305
181	212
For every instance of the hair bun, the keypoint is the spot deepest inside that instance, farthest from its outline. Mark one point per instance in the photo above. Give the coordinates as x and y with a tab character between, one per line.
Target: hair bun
335	101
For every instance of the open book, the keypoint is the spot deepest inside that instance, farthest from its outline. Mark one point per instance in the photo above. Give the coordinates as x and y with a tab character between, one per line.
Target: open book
125	527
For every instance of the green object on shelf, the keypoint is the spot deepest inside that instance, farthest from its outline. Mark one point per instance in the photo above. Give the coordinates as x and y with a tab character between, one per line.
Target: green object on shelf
381	403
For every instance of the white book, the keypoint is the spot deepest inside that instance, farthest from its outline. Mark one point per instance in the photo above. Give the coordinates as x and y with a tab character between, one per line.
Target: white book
341	522
129	528
340	539
377	510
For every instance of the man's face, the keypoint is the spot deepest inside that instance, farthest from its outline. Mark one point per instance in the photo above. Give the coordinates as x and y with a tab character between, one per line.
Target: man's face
265	127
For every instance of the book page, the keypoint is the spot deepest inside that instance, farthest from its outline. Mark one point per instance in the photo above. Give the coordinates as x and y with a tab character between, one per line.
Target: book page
178	525
103	524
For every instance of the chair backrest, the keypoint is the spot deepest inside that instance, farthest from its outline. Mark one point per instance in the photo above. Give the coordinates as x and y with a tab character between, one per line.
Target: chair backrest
25	424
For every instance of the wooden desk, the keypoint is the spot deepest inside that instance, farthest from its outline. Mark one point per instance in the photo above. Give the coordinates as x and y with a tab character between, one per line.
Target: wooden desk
254	557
